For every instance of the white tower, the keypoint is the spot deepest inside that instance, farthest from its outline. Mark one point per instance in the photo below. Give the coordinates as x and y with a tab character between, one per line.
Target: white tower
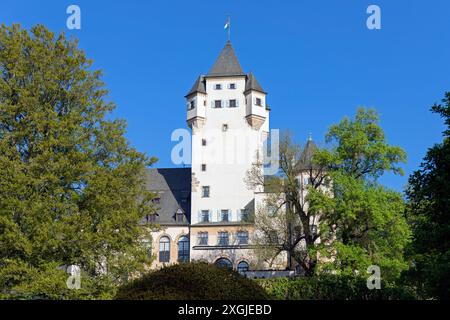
229	119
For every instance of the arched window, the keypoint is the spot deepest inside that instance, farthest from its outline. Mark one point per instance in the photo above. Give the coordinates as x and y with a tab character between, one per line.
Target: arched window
183	249
224	263
164	249
242	267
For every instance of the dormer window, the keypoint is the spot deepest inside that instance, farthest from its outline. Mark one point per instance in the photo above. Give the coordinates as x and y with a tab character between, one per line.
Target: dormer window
179	216
258	102
218	86
232	86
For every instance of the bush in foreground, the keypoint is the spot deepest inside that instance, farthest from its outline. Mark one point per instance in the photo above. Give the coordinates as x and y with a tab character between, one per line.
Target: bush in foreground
192	281
333	287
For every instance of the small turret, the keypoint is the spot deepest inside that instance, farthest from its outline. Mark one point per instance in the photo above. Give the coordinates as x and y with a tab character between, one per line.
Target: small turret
256	108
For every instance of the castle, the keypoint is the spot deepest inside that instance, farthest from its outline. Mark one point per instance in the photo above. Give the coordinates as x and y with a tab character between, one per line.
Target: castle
206	211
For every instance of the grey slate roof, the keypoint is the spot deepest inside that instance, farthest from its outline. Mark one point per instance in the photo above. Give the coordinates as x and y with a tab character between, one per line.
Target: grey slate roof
199	86
305	162
226	64
174	188
253	84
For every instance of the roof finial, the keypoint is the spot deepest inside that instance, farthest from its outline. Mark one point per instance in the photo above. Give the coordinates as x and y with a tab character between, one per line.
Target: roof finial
310	137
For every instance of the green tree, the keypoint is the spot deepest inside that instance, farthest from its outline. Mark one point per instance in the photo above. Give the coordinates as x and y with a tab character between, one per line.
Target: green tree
428	196
71	187
364	223
341	219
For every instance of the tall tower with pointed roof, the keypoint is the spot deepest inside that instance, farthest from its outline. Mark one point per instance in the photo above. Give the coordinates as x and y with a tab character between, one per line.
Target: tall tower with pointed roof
229	118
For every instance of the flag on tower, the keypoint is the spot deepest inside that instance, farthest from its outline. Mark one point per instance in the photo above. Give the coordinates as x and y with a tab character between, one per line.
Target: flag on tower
227	24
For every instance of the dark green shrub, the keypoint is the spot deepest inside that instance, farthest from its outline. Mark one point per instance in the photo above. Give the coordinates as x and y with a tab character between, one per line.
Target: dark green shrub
333	287
192	281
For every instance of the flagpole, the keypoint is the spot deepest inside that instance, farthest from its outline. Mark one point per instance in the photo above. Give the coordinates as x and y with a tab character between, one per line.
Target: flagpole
229	29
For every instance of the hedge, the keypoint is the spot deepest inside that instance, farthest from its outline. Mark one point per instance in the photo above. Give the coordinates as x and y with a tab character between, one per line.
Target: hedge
192	281
333	287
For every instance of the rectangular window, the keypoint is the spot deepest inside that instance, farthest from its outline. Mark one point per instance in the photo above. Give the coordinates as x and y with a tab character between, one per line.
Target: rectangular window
183	249
245	217
202	238
204	167
217	103
233	103
205	192
218	86
223	239
164	250
232	86
192	105
272	210
151	217
204	142
242	237
205	216
258	102
225	215
224	127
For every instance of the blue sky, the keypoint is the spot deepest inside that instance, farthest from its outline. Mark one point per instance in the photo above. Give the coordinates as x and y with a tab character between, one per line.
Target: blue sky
317	60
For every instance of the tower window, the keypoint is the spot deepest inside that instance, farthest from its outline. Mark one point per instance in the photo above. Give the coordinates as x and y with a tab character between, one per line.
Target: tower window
205	192
203	167
218	86
204	142
232	86
233	103
225	127
245	216
192	105
258	102
217	103
205	216
225	215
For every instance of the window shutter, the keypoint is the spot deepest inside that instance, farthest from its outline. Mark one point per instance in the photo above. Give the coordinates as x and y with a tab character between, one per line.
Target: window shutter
227	103
254	101
209	216
212	104
229	86
239	218
199	216
237	102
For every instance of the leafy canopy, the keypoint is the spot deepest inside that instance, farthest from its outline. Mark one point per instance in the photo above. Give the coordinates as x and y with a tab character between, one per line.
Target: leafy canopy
71	187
